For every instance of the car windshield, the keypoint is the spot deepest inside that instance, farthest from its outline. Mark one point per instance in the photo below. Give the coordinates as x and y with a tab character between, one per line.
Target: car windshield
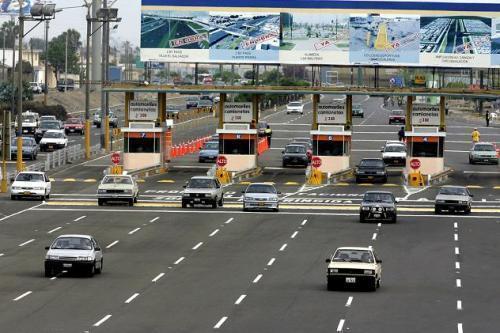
295	149
29	177
201	183
395	149
47	118
453	191
73	121
29	119
353	256
49	125
356	107
378	197
397	112
295	104
53	135
484	148
211	146
117	180
72	243
372	163
26	141
261	188
262	125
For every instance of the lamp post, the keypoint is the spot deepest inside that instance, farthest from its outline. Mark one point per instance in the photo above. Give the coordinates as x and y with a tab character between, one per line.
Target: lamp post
46	74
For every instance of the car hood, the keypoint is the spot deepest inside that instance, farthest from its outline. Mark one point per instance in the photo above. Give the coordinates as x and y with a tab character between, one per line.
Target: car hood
484	153
260	196
209	152
355	265
377	204
294	107
69	253
52	140
28	184
394	154
452	197
115	187
200	190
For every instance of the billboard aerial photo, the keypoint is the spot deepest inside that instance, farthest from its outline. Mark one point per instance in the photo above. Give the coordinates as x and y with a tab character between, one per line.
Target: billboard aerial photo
495	42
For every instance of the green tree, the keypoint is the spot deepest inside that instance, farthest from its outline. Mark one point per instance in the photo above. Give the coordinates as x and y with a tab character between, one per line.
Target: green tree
6	91
27	68
57	52
226	76
248	75
36	44
8	29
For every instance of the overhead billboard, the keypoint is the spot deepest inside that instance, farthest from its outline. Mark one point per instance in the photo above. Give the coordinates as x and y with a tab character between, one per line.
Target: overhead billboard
11	7
447	33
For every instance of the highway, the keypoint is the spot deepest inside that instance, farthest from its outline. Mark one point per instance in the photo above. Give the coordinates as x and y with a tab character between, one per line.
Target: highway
201	270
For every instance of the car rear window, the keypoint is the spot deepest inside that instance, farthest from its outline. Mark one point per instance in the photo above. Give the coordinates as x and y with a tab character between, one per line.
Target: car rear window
295	149
395	149
117	180
378	197
72	243
261	188
453	191
372	163
201	183
212	146
353	256
29	177
484	148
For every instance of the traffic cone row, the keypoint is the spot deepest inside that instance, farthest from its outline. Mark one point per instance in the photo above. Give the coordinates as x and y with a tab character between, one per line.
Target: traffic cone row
262	145
188	147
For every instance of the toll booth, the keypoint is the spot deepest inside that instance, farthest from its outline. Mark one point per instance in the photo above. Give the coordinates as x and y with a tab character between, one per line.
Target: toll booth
145	145
333	145
427	145
238	143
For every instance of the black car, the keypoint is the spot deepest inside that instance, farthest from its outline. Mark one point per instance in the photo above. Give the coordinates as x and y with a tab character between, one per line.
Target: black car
371	169
295	154
378	205
192	102
261	128
44	127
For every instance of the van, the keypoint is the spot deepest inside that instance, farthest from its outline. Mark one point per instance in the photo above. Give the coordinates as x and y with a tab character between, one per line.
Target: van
62	85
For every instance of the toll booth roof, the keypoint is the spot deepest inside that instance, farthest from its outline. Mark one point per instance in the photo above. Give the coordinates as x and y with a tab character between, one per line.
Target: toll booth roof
425	131
143	130
237	131
344	133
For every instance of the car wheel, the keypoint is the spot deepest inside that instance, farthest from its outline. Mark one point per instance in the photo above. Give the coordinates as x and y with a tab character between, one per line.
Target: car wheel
131	202
136	198
47	196
361	218
330	285
358	180
471	161
384	180
277	209
467	210
91	270
437	210
378	283
99	270
394	219
221	201
183	204
35	157
13	197
100	202
49	272
214	203
372	285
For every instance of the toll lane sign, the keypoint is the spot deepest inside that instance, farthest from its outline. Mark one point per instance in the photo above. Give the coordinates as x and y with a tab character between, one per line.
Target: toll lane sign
332	113
425	115
238	112
143	110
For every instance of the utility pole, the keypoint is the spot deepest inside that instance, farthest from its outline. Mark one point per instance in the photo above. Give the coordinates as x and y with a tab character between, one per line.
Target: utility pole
87	85
46	87
96	45
104	76
3	56
66	63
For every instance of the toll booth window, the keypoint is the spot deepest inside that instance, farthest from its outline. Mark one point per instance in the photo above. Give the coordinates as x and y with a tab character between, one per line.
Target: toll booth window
428	149
140	145
330	148
237	147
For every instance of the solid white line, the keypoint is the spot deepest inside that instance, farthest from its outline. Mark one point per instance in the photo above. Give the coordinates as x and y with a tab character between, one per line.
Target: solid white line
80	218
131	298
25	243
100	322
455	236
294	234
457	265
457	251
112	244
304	222
154	220
197	246
459	305
220	322
271	262
340	328
484	172
53	278
134	231
349	301
257	278
230	220
455	225
379	225
459	283
55	229
179	261
20	212
374	237
460	328
240	299
159	276
1	254
22	296
283	247
213	232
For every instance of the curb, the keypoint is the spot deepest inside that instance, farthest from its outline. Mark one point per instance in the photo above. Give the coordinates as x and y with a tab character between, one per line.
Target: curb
246	174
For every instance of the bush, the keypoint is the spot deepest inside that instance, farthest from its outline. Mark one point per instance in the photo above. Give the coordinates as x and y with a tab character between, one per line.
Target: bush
50	110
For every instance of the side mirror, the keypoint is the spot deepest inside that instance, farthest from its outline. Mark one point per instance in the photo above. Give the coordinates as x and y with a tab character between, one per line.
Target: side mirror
282	151
47	247
328	260
243	192
471	195
184	186
11	179
279	192
381	150
379	261
97	249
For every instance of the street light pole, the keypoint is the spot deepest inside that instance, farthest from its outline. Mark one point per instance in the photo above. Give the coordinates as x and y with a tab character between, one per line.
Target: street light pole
46	88
104	76
87	86
66	63
19	164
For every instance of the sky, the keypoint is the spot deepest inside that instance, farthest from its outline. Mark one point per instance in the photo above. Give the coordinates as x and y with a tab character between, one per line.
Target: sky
129	28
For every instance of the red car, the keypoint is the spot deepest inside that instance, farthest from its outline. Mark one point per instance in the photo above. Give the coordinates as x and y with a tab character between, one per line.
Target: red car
397	117
74	125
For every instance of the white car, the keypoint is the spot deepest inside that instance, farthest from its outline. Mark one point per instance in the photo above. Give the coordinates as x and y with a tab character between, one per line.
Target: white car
354	266
117	188
30	184
73	253
261	196
394	154
295	107
53	139
36	87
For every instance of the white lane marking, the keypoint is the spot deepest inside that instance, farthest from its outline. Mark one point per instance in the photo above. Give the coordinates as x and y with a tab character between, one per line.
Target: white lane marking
80	218
53	278
379	225
457	251
457	265
304	222
229	221
374	237
483	200
349	301
131	298
459	283
257	278
159	276
134	231
53	230
100	322
455	237
27	242
22	296
484	172
20	212
112	244
213	233
340	327
220	323
1	254
459	305
179	260
240	299
154	220
460	328
283	247
197	246
455	225
294	234
271	262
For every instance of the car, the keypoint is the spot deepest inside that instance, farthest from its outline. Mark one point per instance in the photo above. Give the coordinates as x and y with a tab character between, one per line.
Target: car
378	205
75	253
483	152
207	97
205	104
97	119
173	111
36	87
371	169
53	140
113	120
216	99
295	107
261	196
203	190
48	118
354	266
295	154
357	111
46	125
63	85
394	154
453	199
192	102
29	123
117	188
261	128
30	184
30	148
209	152
307	143
74	125
397	117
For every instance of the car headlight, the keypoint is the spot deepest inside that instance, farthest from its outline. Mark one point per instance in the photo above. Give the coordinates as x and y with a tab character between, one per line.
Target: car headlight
272	199
185	194
51	257
390	209
127	191
16	188
380	172
101	191
464	202
84	258
334	270
365	208
368	272
208	195
440	201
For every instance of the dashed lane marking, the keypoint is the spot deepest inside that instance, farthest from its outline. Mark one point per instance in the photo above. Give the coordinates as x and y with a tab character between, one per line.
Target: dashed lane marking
90	180
292	183
22	296
112	244
197	246
27	242
349	302
54	230
283	247
220	323
257	278
178	261
340	327
159	276
69	180
166	181
79	218
240	299
131	298
100	322
459	305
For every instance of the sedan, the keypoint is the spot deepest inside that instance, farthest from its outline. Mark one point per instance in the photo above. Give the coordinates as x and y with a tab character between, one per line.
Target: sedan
483	152
118	188
295	107
53	140
30	148
30	184
74	125
261	196
378	205
452	199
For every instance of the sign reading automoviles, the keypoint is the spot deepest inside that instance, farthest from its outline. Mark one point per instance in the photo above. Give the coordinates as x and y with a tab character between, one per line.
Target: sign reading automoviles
143	110
238	112
425	115
332	113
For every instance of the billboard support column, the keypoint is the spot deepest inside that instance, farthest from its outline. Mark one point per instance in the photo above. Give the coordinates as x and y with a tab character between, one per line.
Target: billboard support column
221	110
315	102
162	108
442	114
196	74
348	108
409	108
255	107
129	96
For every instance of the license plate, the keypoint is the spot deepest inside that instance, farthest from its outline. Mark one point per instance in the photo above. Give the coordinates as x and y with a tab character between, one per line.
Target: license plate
26	192
72	130
50	146
376	215
350	280
370	177
261	203
67	265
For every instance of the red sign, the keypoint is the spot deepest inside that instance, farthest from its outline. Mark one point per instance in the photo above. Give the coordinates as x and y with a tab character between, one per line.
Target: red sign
415	164
221	161
316	162
115	157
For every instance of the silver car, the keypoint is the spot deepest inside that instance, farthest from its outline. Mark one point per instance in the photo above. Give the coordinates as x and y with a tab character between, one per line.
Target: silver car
483	152
261	196
118	188
452	199
203	190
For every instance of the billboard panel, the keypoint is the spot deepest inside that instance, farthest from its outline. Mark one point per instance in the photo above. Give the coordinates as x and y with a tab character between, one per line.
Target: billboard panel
238	112
332	113
11	7
425	115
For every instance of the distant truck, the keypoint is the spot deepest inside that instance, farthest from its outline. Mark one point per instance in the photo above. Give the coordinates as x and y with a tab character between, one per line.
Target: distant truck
63	86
